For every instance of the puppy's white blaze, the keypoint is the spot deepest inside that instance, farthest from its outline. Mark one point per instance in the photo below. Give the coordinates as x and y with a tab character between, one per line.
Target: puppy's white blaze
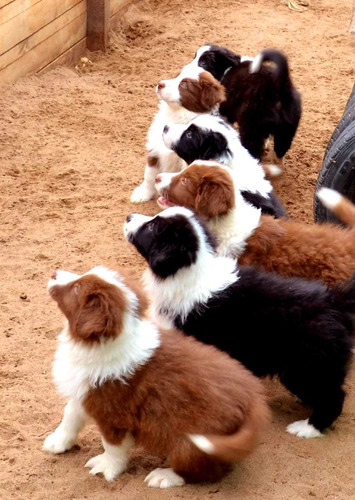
256	64
137	220
329	197
62	278
166	179
202	443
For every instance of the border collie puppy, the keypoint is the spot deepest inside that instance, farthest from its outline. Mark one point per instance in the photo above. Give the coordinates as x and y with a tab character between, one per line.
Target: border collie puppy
297	330
260	98
159	389
291	248
200	93
209	137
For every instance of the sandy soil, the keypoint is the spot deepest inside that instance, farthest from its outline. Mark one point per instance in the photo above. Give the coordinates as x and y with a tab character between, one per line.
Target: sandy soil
72	148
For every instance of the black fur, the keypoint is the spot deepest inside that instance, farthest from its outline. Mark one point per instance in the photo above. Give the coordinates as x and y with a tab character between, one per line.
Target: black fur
262	103
178	253
198	143
297	330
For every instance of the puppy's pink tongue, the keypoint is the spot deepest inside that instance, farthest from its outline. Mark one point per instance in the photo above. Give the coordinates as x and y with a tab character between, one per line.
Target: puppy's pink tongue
164	202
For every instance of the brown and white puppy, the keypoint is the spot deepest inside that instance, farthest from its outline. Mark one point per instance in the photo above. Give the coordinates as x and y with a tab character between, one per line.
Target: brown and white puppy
169	393
291	248
198	93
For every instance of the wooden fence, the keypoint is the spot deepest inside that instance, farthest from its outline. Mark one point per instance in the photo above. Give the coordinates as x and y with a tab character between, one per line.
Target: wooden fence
36	35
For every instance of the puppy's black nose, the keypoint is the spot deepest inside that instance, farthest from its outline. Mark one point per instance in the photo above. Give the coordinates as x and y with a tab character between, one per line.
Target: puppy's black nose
165	129
161	85
129	218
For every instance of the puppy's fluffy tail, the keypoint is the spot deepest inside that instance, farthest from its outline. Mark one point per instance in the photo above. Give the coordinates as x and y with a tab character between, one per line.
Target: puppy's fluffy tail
343	208
280	60
239	445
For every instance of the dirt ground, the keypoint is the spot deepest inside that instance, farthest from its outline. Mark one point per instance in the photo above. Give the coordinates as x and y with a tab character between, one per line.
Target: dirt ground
72	148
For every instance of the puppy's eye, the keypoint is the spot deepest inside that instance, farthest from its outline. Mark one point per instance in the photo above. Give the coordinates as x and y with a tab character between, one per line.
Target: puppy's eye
203	64
188	135
183	85
76	289
183	181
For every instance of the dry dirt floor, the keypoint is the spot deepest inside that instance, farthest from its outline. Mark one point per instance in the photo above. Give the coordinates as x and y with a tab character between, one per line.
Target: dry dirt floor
72	148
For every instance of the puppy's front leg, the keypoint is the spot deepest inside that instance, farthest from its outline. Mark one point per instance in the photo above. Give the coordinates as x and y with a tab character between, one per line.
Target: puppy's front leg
65	435
114	460
146	190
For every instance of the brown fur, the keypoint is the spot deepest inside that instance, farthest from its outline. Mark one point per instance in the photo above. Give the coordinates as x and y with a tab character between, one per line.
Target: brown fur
207	191
201	95
313	251
92	307
185	387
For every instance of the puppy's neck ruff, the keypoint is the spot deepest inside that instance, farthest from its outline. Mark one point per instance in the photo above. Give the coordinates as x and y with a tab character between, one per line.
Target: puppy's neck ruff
173	113
234	228
77	366
177	295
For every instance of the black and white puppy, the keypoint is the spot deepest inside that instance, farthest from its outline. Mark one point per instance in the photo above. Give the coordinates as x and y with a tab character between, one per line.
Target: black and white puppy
261	98
209	137
297	330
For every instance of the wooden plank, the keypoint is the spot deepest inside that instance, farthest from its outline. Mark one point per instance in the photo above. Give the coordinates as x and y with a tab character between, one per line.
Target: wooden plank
46	52
15	8
5	2
26	45
352	21
32	20
116	19
70	57
117	5
98	12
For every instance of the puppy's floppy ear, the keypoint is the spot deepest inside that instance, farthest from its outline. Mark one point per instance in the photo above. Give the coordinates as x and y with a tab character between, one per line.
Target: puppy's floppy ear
215	196
212	92
100	316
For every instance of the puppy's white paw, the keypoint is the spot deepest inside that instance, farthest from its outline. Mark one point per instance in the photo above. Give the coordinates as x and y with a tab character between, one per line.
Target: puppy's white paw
142	193
107	465
58	442
163	478
303	429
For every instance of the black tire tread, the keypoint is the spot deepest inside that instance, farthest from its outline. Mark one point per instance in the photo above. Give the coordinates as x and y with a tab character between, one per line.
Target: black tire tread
337	172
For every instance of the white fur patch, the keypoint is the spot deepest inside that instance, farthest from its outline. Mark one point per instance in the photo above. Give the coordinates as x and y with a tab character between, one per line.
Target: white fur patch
164	478
113	461
178	294
329	197
256	64
303	429
202	443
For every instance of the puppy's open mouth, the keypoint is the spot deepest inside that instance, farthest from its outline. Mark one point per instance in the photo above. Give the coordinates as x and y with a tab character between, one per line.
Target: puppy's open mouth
164	202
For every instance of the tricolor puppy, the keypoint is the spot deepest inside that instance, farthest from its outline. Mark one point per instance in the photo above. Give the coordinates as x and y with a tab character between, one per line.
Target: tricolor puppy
313	251
261	98
159	389
197	93
209	137
297	330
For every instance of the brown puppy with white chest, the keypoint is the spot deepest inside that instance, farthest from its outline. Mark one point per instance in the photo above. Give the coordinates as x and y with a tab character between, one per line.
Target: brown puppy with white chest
291	248
169	393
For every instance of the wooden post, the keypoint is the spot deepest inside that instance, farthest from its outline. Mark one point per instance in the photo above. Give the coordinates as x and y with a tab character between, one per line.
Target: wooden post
98	17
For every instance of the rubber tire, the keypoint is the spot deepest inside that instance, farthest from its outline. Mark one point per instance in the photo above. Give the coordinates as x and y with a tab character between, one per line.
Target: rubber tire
346	119
337	172
351	100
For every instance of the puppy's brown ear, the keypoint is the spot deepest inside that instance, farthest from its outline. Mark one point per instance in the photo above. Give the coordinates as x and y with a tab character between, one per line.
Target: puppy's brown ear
214	197
212	91
100	316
